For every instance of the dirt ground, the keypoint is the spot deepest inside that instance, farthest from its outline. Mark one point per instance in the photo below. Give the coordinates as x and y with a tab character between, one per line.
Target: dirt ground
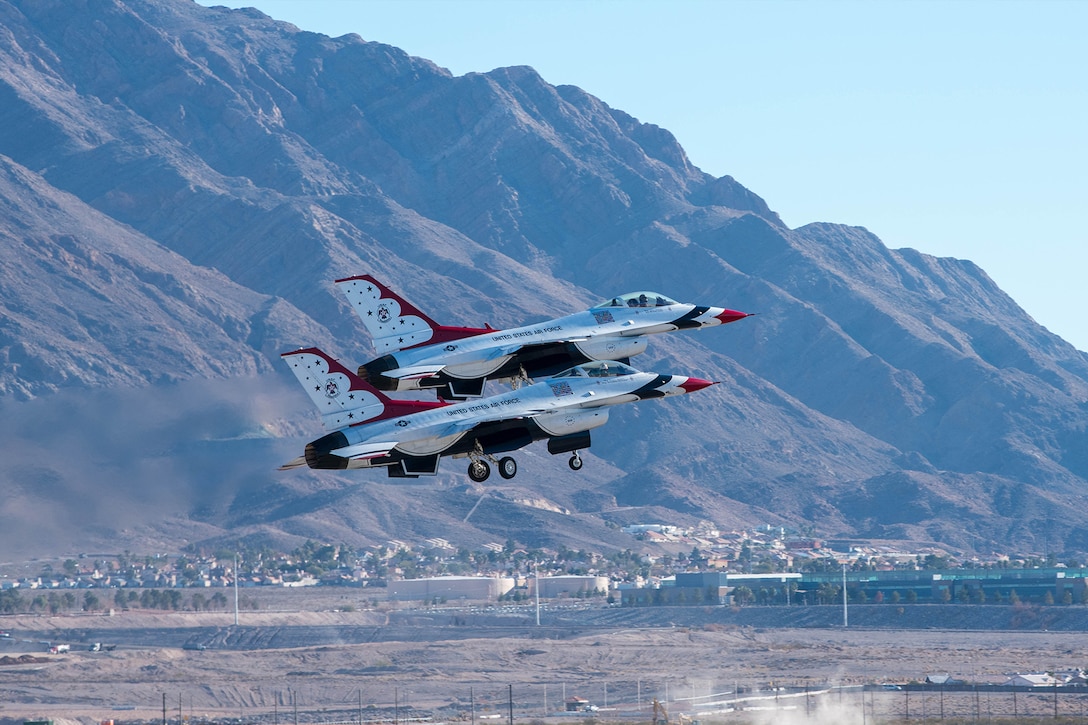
297	659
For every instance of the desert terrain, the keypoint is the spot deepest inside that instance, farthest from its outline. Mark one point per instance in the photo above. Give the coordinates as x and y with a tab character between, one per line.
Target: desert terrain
301	657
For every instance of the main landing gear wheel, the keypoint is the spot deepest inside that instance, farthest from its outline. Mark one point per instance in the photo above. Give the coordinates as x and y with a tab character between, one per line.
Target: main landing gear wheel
575	462
508	467
478	471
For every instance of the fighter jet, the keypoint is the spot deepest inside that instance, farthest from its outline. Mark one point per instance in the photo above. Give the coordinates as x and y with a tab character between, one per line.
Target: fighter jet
408	437
457	361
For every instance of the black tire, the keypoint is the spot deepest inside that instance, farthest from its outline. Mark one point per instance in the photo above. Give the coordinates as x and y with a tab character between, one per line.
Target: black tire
575	462
508	467
479	471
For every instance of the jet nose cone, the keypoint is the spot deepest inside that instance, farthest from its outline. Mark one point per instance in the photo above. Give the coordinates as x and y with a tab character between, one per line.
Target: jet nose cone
727	316
692	384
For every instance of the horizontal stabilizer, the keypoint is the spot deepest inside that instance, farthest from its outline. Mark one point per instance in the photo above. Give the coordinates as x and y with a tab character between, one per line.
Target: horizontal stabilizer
297	463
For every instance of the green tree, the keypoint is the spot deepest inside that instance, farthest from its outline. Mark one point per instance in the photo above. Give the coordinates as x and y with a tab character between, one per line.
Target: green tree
933	561
829	593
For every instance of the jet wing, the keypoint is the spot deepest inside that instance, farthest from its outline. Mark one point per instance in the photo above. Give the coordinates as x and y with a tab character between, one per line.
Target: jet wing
413	372
504	350
467	424
375	449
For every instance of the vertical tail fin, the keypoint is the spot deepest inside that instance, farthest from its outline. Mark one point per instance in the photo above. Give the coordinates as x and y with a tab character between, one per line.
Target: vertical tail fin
394	322
342	397
339	394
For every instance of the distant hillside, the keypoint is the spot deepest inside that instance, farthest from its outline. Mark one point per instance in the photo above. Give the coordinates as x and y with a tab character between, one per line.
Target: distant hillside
179	186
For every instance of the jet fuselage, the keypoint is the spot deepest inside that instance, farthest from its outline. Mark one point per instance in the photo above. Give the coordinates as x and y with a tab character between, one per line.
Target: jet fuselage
423	354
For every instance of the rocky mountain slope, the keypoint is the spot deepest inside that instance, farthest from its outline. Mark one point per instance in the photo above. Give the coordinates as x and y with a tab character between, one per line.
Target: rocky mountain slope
179	186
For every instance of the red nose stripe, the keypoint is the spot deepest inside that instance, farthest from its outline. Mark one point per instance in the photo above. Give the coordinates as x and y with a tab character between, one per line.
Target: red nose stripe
728	316
694	384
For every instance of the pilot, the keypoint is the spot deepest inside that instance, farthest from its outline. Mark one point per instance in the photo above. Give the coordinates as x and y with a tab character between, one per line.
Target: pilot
661	301
632	302
616	302
643	301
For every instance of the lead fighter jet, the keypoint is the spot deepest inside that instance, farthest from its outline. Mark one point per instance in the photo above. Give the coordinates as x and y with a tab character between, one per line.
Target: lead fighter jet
419	353
408	437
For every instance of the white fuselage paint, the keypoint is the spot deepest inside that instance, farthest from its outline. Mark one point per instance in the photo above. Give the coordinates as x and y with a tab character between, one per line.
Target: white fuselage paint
559	405
603	333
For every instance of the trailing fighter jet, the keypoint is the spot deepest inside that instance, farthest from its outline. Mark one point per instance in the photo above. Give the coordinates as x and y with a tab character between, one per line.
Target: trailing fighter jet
408	437
420	353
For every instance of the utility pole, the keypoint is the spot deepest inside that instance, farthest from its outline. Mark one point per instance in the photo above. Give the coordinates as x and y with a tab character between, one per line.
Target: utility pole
235	589
845	616
510	700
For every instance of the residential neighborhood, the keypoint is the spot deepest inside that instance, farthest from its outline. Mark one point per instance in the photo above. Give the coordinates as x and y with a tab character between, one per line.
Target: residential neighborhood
666	564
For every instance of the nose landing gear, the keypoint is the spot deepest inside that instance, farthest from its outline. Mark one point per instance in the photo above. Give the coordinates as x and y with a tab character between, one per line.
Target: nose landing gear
575	462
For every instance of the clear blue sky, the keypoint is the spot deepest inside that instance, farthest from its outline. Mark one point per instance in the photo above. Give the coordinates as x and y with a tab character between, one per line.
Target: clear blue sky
957	128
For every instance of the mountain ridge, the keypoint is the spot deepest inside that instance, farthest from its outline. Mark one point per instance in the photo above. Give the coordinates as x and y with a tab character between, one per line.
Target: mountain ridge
179	187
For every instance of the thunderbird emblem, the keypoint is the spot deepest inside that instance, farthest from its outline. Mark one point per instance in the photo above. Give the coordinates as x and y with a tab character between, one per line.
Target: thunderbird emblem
331	388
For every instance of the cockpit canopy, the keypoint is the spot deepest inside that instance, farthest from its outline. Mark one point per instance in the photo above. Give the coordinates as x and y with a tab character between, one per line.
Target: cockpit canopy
598	369
637	299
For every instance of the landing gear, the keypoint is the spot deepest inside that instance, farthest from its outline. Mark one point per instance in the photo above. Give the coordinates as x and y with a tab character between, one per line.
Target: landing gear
521	379
478	471
575	462
508	467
